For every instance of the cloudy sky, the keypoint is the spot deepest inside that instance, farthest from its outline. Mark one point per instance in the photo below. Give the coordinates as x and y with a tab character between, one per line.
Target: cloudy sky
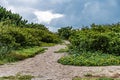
60	13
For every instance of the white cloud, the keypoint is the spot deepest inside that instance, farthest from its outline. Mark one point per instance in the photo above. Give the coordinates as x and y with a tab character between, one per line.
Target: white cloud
46	16
53	29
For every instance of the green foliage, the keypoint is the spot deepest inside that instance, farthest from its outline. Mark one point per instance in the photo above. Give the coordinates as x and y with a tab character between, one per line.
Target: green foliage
16	55
23	37
98	45
29	52
47	44
50	38
106	79
65	32
16	33
62	50
4	50
90	59
77	78
104	38
17	77
9	18
37	26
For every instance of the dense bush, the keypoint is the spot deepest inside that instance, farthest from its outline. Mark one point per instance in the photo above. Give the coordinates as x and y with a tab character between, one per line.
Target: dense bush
65	32
98	45
22	37
98	38
15	31
37	26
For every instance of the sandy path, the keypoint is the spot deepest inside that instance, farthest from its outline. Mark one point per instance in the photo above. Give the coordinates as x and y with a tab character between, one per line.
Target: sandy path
45	67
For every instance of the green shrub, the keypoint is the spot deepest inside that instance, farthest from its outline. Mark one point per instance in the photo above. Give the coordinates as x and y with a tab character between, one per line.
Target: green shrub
7	39
65	32
100	43
16	32
23	37
90	59
98	38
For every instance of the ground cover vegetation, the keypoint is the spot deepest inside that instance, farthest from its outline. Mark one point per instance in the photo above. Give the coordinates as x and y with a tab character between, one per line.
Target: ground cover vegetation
17	77
104	78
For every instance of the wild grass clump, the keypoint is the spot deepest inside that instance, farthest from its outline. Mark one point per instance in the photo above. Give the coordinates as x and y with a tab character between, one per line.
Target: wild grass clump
21	54
17	77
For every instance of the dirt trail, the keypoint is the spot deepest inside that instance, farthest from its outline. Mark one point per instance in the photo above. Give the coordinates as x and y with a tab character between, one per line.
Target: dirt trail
45	67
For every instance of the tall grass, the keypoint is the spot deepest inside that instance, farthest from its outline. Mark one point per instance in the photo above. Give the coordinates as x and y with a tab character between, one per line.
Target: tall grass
17	77
4	50
8	55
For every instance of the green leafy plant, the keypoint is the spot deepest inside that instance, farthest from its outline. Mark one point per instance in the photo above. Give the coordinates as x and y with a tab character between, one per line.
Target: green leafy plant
106	79
4	50
90	59
17	77
65	32
104	38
